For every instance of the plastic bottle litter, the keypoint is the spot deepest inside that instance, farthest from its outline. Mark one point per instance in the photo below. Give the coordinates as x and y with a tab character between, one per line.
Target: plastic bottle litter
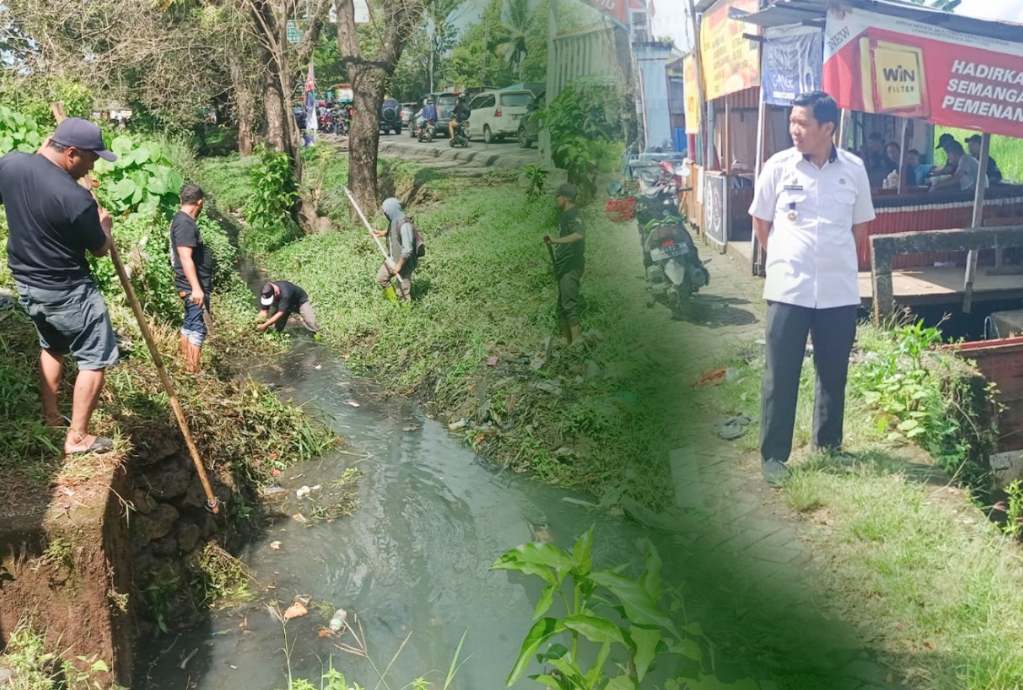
338	620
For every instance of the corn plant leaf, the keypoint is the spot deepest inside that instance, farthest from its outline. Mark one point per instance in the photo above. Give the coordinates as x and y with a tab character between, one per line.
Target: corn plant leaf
640	607
545	600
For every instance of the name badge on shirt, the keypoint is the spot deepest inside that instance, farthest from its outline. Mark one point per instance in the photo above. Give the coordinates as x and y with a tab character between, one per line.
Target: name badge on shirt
792	188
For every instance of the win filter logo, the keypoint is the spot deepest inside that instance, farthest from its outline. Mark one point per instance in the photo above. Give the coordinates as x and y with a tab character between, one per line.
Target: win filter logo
892	77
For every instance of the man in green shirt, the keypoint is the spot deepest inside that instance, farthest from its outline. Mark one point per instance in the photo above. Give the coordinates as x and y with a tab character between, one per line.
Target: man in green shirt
569	254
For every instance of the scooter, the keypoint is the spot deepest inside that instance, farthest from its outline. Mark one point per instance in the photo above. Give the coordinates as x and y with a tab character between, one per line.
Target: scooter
425	132
460	138
675	272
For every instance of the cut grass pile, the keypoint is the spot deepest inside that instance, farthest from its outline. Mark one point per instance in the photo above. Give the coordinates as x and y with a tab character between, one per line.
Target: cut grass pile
472	343
932	581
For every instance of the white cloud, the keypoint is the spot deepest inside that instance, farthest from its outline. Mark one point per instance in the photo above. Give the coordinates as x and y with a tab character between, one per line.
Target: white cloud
1005	10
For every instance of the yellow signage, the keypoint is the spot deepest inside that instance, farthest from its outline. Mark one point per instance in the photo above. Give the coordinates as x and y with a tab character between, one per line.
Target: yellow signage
692	95
893	78
730	62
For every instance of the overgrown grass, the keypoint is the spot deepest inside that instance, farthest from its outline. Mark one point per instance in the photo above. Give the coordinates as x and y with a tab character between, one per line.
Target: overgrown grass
35	667
484	307
932	580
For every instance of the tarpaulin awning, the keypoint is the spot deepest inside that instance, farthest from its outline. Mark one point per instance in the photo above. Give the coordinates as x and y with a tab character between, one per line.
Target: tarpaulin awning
899	65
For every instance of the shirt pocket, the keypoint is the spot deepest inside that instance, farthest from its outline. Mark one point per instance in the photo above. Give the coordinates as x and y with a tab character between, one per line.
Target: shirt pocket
845	197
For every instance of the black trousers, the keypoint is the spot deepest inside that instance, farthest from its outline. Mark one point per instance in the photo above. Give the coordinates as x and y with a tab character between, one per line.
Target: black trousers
833	332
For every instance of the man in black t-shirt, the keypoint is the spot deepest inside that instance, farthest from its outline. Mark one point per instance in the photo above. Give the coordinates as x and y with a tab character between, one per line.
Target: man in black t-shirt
569	261
193	274
53	222
285	299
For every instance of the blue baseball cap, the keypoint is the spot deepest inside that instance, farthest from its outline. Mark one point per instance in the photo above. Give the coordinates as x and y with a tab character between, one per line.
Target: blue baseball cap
83	135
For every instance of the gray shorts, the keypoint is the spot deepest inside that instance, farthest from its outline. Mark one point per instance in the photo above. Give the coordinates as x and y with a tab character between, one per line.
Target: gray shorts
568	296
72	321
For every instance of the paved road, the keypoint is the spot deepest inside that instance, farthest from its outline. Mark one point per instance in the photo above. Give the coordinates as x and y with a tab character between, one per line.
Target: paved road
478	154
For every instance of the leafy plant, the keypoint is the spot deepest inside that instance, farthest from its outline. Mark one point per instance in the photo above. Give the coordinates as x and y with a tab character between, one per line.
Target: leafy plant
621	616
268	209
584	121
18	132
921	400
536	177
142	179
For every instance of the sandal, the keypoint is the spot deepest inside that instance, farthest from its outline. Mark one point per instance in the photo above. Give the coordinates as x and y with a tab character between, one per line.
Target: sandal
101	445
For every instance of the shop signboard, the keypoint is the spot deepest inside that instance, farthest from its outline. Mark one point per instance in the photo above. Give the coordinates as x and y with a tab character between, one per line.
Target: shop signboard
883	64
730	62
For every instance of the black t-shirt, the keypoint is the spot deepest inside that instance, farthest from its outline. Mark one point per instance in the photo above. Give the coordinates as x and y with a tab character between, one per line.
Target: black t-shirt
292	297
184	232
52	221
570	257
994	174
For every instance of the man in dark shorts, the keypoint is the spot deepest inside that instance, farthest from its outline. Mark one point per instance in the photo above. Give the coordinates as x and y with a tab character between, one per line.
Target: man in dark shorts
53	221
285	299
193	274
569	261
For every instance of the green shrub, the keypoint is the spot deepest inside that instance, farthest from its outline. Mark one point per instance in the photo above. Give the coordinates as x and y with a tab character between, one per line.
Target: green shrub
585	122
142	179
32	97
19	132
269	206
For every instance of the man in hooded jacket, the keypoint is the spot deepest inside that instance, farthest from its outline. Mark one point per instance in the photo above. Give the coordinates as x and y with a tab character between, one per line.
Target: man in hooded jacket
401	249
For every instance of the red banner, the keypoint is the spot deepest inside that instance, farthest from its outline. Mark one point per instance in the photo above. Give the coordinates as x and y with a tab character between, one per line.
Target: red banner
880	64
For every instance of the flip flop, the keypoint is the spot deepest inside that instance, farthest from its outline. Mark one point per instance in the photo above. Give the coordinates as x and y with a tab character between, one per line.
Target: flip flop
101	445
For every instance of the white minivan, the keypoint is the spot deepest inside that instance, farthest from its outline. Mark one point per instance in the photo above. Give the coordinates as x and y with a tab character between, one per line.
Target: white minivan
496	114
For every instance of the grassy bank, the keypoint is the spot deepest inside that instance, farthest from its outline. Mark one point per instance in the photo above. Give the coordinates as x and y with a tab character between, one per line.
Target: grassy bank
913	560
472	346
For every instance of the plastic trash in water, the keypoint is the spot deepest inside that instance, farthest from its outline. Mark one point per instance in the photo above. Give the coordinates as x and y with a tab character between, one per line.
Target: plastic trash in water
338	620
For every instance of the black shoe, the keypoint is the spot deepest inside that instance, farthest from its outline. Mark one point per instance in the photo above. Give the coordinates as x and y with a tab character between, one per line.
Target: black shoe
775	473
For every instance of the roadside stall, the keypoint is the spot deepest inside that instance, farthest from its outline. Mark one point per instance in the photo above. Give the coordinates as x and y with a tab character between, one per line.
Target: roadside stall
721	178
897	70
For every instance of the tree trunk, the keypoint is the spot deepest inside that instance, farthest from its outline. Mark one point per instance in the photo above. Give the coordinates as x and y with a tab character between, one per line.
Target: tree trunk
368	85
276	125
244	108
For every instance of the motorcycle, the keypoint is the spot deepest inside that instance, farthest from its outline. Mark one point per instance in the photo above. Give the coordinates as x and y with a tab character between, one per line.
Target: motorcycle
424	132
675	271
460	137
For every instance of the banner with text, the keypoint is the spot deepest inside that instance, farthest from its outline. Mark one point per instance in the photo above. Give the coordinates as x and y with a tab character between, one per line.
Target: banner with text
730	62
911	69
792	65
691	92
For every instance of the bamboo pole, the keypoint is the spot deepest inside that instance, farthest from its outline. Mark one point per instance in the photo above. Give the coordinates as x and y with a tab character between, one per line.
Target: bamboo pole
369	229
168	385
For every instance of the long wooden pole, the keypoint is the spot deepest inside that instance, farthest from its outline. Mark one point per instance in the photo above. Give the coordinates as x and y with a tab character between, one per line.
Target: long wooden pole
978	220
154	351
902	155
369	229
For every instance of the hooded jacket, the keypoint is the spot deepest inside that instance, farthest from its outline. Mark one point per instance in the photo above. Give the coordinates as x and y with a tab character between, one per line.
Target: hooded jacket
400	238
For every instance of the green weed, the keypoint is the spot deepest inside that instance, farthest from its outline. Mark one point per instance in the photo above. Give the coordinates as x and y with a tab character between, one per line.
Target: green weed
223	579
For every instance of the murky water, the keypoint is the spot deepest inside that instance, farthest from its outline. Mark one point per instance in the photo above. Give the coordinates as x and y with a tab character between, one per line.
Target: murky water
414	558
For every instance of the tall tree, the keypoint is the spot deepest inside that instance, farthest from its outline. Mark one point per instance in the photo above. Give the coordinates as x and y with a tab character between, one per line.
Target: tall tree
370	60
284	62
442	33
513	43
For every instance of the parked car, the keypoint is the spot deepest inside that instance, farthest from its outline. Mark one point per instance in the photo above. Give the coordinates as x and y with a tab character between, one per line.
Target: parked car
408	110
497	114
390	116
529	125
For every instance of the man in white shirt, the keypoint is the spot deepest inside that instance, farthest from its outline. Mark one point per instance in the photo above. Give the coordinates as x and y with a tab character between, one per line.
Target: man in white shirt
812	204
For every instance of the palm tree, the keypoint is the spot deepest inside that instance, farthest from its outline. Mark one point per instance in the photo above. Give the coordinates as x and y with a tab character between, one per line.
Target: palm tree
515	25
